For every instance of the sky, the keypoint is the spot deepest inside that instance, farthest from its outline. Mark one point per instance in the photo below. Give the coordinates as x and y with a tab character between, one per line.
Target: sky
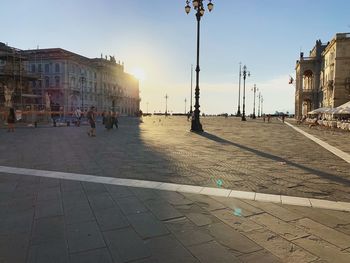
157	39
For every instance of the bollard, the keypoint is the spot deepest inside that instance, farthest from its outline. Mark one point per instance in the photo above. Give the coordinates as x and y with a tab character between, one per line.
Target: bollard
54	123
35	124
68	123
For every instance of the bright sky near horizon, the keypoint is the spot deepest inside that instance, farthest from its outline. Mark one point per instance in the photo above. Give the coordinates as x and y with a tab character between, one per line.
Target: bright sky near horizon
157	39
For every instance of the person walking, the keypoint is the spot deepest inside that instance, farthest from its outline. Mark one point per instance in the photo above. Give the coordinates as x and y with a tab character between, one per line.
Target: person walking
108	121
77	115
115	120
11	119
92	120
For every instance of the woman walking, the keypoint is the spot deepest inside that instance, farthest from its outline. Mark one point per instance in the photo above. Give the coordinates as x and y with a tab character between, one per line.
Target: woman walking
11	118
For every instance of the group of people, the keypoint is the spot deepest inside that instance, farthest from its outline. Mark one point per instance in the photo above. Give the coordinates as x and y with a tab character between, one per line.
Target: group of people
109	120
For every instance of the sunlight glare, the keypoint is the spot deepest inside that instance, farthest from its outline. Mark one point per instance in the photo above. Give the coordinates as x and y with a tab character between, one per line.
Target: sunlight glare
138	73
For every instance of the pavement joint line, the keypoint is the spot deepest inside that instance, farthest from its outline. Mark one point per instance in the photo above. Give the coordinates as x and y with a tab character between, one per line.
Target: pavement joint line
182	188
343	155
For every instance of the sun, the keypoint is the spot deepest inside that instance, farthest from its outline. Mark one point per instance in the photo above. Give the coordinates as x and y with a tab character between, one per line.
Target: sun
138	73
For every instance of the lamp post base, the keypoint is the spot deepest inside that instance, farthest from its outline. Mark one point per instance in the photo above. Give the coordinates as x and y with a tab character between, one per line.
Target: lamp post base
196	126
243	118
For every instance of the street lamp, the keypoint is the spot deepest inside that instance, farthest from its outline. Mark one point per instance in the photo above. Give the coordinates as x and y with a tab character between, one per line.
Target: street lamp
262	100
198	5
185	104
245	73
166	104
259	104
82	93
239	91
254	89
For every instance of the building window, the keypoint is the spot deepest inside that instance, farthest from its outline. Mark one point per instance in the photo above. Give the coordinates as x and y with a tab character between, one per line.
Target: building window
39	68
34	84
47	68
47	82
57	68
57	81
33	68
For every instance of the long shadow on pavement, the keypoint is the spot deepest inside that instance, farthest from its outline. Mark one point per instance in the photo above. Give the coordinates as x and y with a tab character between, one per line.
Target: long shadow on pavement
323	174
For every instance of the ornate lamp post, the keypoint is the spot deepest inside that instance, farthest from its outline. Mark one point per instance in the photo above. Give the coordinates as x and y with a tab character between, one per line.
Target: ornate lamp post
166	104
239	91
198	5
259	104
254	89
82	93
245	73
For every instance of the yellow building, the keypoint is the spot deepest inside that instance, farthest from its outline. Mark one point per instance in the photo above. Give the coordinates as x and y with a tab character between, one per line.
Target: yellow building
323	78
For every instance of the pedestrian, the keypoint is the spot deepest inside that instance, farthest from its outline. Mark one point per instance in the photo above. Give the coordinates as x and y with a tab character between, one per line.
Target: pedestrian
115	120
264	117
11	119
77	114
268	117
103	117
108	120
92	120
283	118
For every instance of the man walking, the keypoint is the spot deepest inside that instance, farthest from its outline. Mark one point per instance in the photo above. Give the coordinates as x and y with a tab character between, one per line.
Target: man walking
92	120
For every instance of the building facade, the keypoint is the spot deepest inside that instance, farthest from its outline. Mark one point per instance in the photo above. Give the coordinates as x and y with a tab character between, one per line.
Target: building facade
70	81
323	78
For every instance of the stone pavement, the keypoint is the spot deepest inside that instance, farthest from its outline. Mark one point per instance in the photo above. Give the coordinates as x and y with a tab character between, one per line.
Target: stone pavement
54	220
253	156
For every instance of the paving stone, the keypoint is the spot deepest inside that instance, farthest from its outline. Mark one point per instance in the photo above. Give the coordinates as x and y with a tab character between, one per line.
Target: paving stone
49	208
288	231
84	236
101	201
13	248
131	205
162	210
174	198
146	225
200	219
93	188
262	256
55	252
117	191
110	218
49	194
17	223
48	229
93	256
204	201
144	194
276	210
126	244
167	249
213	252
234	203
236	221
323	249
188	233
328	234
231	238
70	185
78	213
281	248
73	197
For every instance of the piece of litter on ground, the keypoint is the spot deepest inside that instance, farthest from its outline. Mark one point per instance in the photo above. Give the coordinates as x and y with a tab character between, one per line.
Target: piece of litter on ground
282	163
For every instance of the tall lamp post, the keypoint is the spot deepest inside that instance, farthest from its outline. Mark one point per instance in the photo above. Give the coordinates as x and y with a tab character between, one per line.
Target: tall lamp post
254	89
198	5
185	104
262	100
259	104
245	73
166	104
191	89
82	93
239	91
